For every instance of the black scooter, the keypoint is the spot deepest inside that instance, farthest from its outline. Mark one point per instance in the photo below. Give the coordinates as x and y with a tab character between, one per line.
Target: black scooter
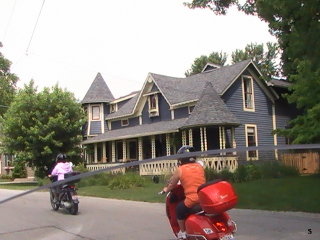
68	197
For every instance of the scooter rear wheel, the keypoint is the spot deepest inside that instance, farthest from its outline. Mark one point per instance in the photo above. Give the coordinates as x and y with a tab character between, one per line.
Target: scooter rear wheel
73	209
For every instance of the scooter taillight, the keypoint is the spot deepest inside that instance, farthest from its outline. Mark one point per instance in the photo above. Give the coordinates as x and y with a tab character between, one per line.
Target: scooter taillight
220	226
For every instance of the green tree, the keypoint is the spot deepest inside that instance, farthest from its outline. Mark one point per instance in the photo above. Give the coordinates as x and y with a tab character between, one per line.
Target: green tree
38	125
7	83
264	58
218	58
296	26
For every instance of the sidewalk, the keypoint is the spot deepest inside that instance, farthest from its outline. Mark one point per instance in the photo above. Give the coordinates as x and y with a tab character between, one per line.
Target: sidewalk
20	181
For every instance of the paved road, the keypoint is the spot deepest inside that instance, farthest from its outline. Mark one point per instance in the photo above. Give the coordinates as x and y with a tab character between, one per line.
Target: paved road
31	217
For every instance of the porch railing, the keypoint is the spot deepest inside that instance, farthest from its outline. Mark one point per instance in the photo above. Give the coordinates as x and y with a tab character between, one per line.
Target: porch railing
168	166
93	167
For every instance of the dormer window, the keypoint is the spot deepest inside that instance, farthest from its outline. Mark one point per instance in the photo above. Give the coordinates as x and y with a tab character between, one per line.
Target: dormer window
248	94
113	107
95	112
124	122
190	109
153	105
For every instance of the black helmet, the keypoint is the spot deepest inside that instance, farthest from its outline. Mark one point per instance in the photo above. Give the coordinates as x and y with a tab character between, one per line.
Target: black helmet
186	149
61	157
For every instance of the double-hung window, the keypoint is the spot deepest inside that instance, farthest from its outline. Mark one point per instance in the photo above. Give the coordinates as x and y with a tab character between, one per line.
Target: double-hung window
252	141
248	93
153	105
95	112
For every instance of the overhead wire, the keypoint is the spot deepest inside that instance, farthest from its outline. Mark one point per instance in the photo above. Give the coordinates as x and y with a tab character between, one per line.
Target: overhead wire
9	21
35	26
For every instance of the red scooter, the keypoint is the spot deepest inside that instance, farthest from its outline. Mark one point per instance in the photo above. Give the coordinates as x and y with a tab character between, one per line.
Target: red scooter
209	220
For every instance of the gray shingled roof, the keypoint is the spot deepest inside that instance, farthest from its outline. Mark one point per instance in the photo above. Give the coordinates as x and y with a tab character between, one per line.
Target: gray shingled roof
98	92
178	90
210	110
126	109
279	83
138	131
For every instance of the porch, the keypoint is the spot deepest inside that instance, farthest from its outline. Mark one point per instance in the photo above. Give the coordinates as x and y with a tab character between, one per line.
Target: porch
112	152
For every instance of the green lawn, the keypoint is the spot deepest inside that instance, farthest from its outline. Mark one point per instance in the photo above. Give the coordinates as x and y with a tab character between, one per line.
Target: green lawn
285	194
281	194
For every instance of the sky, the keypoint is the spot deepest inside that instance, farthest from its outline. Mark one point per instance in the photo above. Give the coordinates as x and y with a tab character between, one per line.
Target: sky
124	40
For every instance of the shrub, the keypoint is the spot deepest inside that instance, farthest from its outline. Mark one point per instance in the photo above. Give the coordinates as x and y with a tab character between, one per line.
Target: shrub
125	181
19	170
101	179
211	174
240	175
252	172
81	168
6	177
226	175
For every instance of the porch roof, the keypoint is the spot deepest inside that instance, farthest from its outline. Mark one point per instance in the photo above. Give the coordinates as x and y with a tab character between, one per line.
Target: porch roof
210	110
138	131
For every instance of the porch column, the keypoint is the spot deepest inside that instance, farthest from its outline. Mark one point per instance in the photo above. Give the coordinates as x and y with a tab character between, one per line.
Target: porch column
190	137
140	152
168	144
153	146
184	137
274	127
220	138
95	153
104	153
205	139
233	139
124	150
201	139
223	139
86	156
113	150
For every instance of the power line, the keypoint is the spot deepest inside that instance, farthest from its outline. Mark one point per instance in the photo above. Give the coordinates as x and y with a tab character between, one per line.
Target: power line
35	26
9	21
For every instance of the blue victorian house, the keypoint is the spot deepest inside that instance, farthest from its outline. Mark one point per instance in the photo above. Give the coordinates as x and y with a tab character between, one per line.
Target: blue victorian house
219	108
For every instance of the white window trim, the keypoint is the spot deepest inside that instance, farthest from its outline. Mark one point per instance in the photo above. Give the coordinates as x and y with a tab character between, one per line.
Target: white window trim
153	112
256	139
123	125
189	111
116	107
243	94
100	112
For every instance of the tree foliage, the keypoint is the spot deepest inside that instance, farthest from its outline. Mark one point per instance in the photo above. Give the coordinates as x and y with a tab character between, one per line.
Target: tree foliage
38	125
218	58
264	58
296	24
8	82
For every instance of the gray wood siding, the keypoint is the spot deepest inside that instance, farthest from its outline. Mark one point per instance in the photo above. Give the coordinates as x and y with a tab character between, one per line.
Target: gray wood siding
95	127
284	113
181	112
262	117
164	112
117	124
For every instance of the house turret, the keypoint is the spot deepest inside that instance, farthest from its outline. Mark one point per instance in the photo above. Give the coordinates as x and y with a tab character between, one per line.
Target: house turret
96	104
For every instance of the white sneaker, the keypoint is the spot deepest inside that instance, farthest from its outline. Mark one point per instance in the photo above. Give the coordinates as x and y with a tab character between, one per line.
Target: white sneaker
181	235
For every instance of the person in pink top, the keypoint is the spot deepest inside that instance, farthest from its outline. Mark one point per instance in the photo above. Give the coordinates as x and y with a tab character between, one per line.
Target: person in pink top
62	167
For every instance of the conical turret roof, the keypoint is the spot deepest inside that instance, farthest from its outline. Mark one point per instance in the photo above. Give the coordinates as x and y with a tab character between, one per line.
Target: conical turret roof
98	92
210	110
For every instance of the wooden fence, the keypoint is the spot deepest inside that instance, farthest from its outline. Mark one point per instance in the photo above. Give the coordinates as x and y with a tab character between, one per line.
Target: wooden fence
306	163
